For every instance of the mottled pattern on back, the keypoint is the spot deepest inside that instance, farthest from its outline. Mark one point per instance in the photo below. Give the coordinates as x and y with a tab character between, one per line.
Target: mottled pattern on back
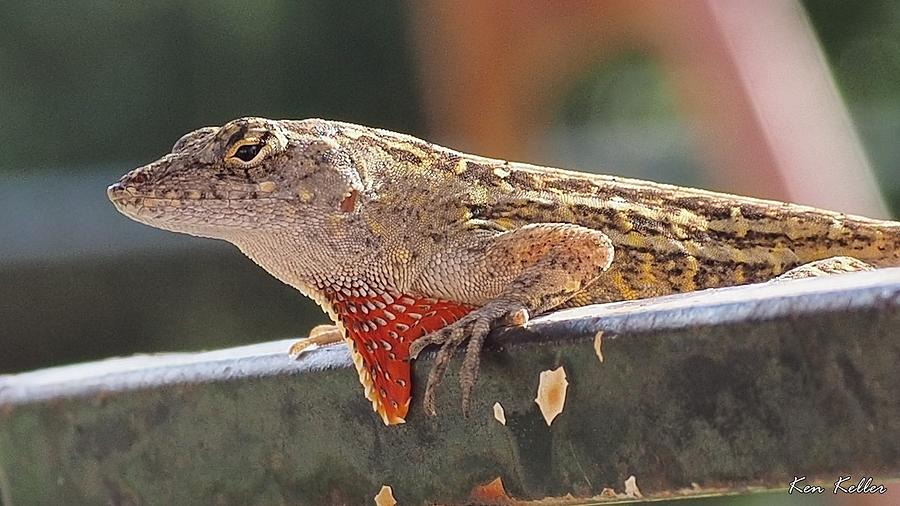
667	238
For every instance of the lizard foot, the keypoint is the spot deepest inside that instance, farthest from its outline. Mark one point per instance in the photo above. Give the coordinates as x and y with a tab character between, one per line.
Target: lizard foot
825	267
475	327
320	335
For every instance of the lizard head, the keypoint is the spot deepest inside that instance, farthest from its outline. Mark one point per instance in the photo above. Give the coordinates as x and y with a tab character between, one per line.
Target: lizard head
251	175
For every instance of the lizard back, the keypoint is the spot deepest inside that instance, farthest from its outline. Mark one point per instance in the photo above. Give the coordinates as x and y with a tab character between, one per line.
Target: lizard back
667	238
670	239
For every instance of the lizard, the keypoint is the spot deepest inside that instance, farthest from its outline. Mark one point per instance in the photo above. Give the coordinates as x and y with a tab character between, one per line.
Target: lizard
407	244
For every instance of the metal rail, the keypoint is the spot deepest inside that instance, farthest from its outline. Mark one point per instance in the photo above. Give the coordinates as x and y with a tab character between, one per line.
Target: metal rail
720	391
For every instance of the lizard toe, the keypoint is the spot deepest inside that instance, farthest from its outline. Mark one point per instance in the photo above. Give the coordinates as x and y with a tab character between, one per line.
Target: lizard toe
475	328
455	337
468	373
441	363
436	337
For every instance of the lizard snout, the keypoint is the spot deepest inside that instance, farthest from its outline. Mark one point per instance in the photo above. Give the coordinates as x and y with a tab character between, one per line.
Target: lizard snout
115	191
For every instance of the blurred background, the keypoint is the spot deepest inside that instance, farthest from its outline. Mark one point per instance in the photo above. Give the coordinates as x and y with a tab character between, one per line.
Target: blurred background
770	98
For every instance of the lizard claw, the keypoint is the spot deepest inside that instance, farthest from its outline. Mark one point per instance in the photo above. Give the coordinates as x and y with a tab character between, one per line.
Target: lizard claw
320	335
436	337
475	327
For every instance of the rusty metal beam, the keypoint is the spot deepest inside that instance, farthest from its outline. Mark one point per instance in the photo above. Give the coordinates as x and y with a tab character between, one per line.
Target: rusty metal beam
720	391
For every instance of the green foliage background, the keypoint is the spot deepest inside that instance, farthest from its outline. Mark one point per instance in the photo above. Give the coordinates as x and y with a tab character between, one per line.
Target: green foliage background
87	82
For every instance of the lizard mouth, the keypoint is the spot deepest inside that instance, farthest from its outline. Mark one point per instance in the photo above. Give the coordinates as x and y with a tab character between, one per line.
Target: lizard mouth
208	213
126	194
129	201
174	211
133	202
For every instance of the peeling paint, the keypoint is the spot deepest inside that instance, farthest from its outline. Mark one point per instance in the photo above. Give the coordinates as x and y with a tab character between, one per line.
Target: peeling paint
385	497
631	488
499	414
551	394
598	345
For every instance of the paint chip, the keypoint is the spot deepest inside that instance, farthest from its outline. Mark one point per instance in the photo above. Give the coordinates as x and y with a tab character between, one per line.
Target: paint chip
598	343
608	493
499	414
490	493
519	318
385	497
551	394
631	488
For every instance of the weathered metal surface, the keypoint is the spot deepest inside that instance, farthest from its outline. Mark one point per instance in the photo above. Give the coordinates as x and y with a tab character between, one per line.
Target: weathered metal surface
730	388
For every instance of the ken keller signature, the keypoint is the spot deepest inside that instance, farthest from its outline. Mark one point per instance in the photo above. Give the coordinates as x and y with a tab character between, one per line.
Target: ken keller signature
842	485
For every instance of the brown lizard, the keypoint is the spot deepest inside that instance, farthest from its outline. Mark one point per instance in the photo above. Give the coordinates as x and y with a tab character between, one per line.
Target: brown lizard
407	244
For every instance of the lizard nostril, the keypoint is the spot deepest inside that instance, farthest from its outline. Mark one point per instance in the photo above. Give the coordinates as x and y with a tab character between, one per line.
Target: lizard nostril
114	189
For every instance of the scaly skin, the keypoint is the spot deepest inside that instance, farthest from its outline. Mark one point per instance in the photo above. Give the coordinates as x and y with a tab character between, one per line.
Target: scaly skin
406	244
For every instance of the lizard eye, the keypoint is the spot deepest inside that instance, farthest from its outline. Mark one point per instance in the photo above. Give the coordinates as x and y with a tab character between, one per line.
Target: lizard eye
248	152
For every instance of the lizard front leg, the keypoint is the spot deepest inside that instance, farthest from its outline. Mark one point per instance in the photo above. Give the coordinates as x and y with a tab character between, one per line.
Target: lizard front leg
510	276
320	335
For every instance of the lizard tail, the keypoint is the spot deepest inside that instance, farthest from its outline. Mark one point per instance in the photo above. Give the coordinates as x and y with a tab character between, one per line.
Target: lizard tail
873	241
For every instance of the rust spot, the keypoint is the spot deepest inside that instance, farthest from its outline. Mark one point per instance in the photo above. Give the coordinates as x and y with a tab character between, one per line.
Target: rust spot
490	493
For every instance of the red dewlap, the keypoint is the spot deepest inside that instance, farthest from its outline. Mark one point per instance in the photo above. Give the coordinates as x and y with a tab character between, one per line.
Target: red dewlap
381	328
